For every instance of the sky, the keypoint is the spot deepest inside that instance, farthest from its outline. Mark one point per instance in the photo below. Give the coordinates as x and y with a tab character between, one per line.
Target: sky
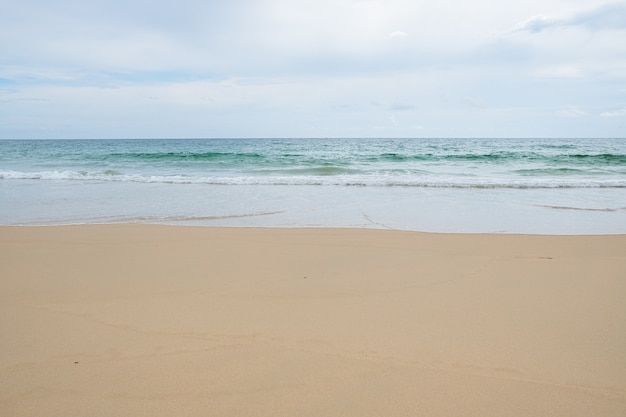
312	68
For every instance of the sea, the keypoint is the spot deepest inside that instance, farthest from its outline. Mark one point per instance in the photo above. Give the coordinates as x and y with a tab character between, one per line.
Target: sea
498	185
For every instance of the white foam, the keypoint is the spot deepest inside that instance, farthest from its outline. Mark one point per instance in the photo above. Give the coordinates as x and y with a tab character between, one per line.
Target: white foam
426	181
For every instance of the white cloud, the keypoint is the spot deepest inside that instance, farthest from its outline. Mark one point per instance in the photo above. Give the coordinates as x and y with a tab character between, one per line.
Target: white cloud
616	113
603	17
570	111
534	24
397	35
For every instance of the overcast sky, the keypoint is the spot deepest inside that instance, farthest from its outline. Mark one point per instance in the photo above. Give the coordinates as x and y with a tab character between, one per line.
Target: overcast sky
318	68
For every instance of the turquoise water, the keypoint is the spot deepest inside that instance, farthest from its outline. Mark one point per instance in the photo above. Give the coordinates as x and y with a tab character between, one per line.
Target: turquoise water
384	162
452	185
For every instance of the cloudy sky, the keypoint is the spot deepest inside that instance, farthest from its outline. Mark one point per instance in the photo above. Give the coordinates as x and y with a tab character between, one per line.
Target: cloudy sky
312	68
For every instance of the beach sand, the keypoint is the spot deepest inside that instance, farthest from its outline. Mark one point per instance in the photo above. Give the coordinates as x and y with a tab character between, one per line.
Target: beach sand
140	320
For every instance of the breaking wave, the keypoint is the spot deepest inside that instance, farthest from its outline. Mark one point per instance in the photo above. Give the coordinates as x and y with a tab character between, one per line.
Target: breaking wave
325	177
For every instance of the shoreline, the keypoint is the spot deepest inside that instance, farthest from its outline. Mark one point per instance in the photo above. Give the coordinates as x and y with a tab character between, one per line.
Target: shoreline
314	227
119	319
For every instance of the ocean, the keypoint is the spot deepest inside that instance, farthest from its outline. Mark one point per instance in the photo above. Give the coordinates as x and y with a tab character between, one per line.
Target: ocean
548	186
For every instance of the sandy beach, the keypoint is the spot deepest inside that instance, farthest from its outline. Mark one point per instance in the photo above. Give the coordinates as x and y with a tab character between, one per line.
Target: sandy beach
140	320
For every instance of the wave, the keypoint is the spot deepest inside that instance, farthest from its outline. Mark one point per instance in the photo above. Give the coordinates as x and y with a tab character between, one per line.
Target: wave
602	159
315	170
598	158
105	175
265	157
326	177
551	171
183	156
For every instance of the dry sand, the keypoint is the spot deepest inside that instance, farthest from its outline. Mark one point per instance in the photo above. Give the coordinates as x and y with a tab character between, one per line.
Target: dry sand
137	320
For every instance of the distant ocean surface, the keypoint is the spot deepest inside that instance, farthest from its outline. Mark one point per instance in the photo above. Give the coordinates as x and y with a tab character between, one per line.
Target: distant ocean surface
554	186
